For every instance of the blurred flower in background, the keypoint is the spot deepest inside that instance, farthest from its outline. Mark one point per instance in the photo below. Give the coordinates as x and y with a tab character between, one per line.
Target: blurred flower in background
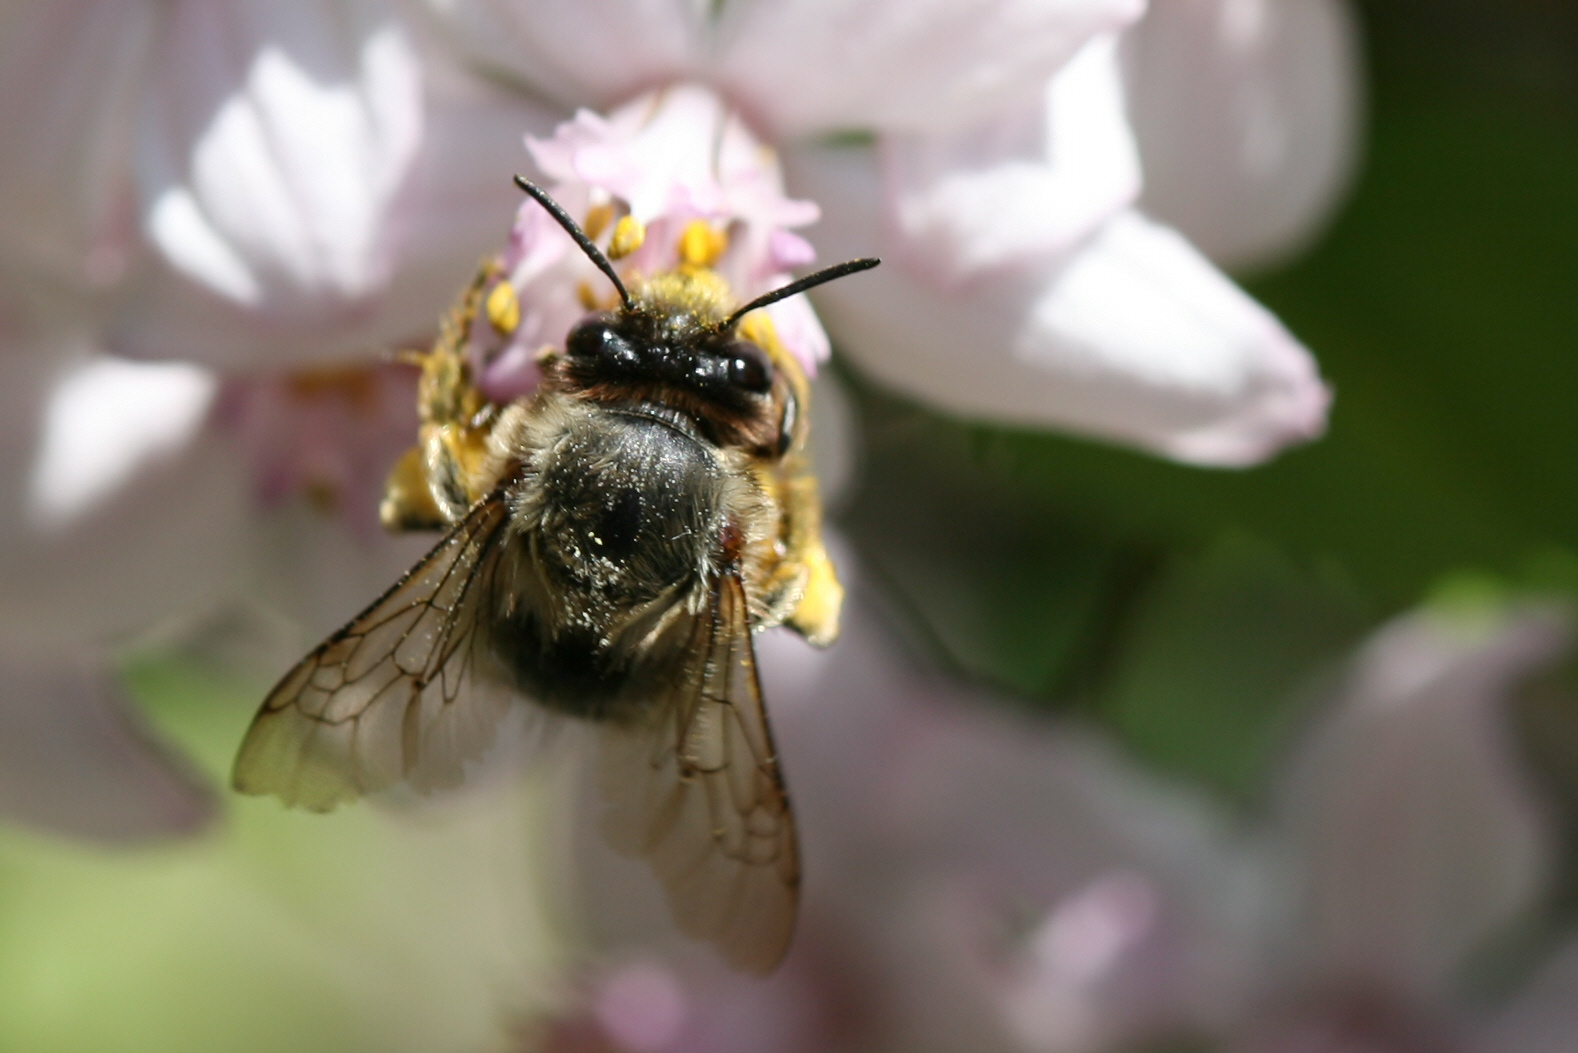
1004	886
219	218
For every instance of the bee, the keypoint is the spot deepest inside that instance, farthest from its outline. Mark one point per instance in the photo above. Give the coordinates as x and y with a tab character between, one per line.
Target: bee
613	541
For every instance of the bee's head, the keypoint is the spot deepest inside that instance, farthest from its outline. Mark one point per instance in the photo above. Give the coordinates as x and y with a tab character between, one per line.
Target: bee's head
669	348
674	342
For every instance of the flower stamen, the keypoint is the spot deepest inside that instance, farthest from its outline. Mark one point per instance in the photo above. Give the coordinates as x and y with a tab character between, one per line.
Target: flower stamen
503	308
597	219
700	245
628	236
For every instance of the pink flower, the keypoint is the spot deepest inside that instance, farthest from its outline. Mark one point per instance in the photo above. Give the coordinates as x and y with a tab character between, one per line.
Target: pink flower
216	195
667	159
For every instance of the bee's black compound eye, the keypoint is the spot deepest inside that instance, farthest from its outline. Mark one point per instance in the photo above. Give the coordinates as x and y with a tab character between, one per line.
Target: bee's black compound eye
749	367
594	339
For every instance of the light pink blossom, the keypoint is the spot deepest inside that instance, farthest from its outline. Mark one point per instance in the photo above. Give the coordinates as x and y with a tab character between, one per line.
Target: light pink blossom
252	190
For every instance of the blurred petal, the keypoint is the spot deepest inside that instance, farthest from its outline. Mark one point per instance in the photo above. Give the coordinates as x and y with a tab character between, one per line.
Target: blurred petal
149	519
273	151
104	423
326	435
1025	185
1136	338
1248	118
74	759
984	874
319	571
69	74
591	53
1543	1017
1076	903
803	66
1406	810
460	198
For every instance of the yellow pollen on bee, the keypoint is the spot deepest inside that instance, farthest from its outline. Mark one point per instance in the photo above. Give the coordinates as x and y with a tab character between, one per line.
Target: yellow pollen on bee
627	237
597	219
757	327
503	308
700	245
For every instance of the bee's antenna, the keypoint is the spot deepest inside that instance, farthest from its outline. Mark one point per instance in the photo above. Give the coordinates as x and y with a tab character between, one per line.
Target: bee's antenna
808	282
572	228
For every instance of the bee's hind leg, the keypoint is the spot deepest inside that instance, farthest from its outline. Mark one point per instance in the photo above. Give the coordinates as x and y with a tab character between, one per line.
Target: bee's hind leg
815	614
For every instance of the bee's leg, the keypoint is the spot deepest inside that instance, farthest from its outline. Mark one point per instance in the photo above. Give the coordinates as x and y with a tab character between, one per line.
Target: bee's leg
408	501
815	614
436	481
454	458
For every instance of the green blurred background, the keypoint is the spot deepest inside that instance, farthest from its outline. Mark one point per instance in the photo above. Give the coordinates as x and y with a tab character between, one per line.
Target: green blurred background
1195	613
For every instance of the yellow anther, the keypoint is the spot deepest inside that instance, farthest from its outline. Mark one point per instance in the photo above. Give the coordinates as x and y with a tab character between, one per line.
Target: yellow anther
503	308
597	219
627	237
700	245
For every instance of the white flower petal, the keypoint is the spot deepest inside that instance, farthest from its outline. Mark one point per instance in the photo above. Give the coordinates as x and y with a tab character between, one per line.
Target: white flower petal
1136	338
1248	118
1022	186
803	66
152	536
69	78
104	423
461	198
593	53
324	281
75	759
1164	343
273	150
1407	813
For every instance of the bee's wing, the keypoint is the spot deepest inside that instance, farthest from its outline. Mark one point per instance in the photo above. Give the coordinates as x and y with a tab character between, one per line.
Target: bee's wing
394	694
697	792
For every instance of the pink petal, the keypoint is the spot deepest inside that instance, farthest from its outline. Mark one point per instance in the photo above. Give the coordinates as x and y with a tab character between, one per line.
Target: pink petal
1248	118
318	182
75	759
670	157
1414	828
1135	338
803	66
275	143
593	53
1028	184
69	77
150	523
105	423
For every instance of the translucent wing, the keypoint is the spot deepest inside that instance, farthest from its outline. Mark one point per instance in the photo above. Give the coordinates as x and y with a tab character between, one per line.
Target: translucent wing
696	790
395	694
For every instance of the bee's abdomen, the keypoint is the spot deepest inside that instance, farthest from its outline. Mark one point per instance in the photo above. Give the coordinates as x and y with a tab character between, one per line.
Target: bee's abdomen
628	513
573	671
